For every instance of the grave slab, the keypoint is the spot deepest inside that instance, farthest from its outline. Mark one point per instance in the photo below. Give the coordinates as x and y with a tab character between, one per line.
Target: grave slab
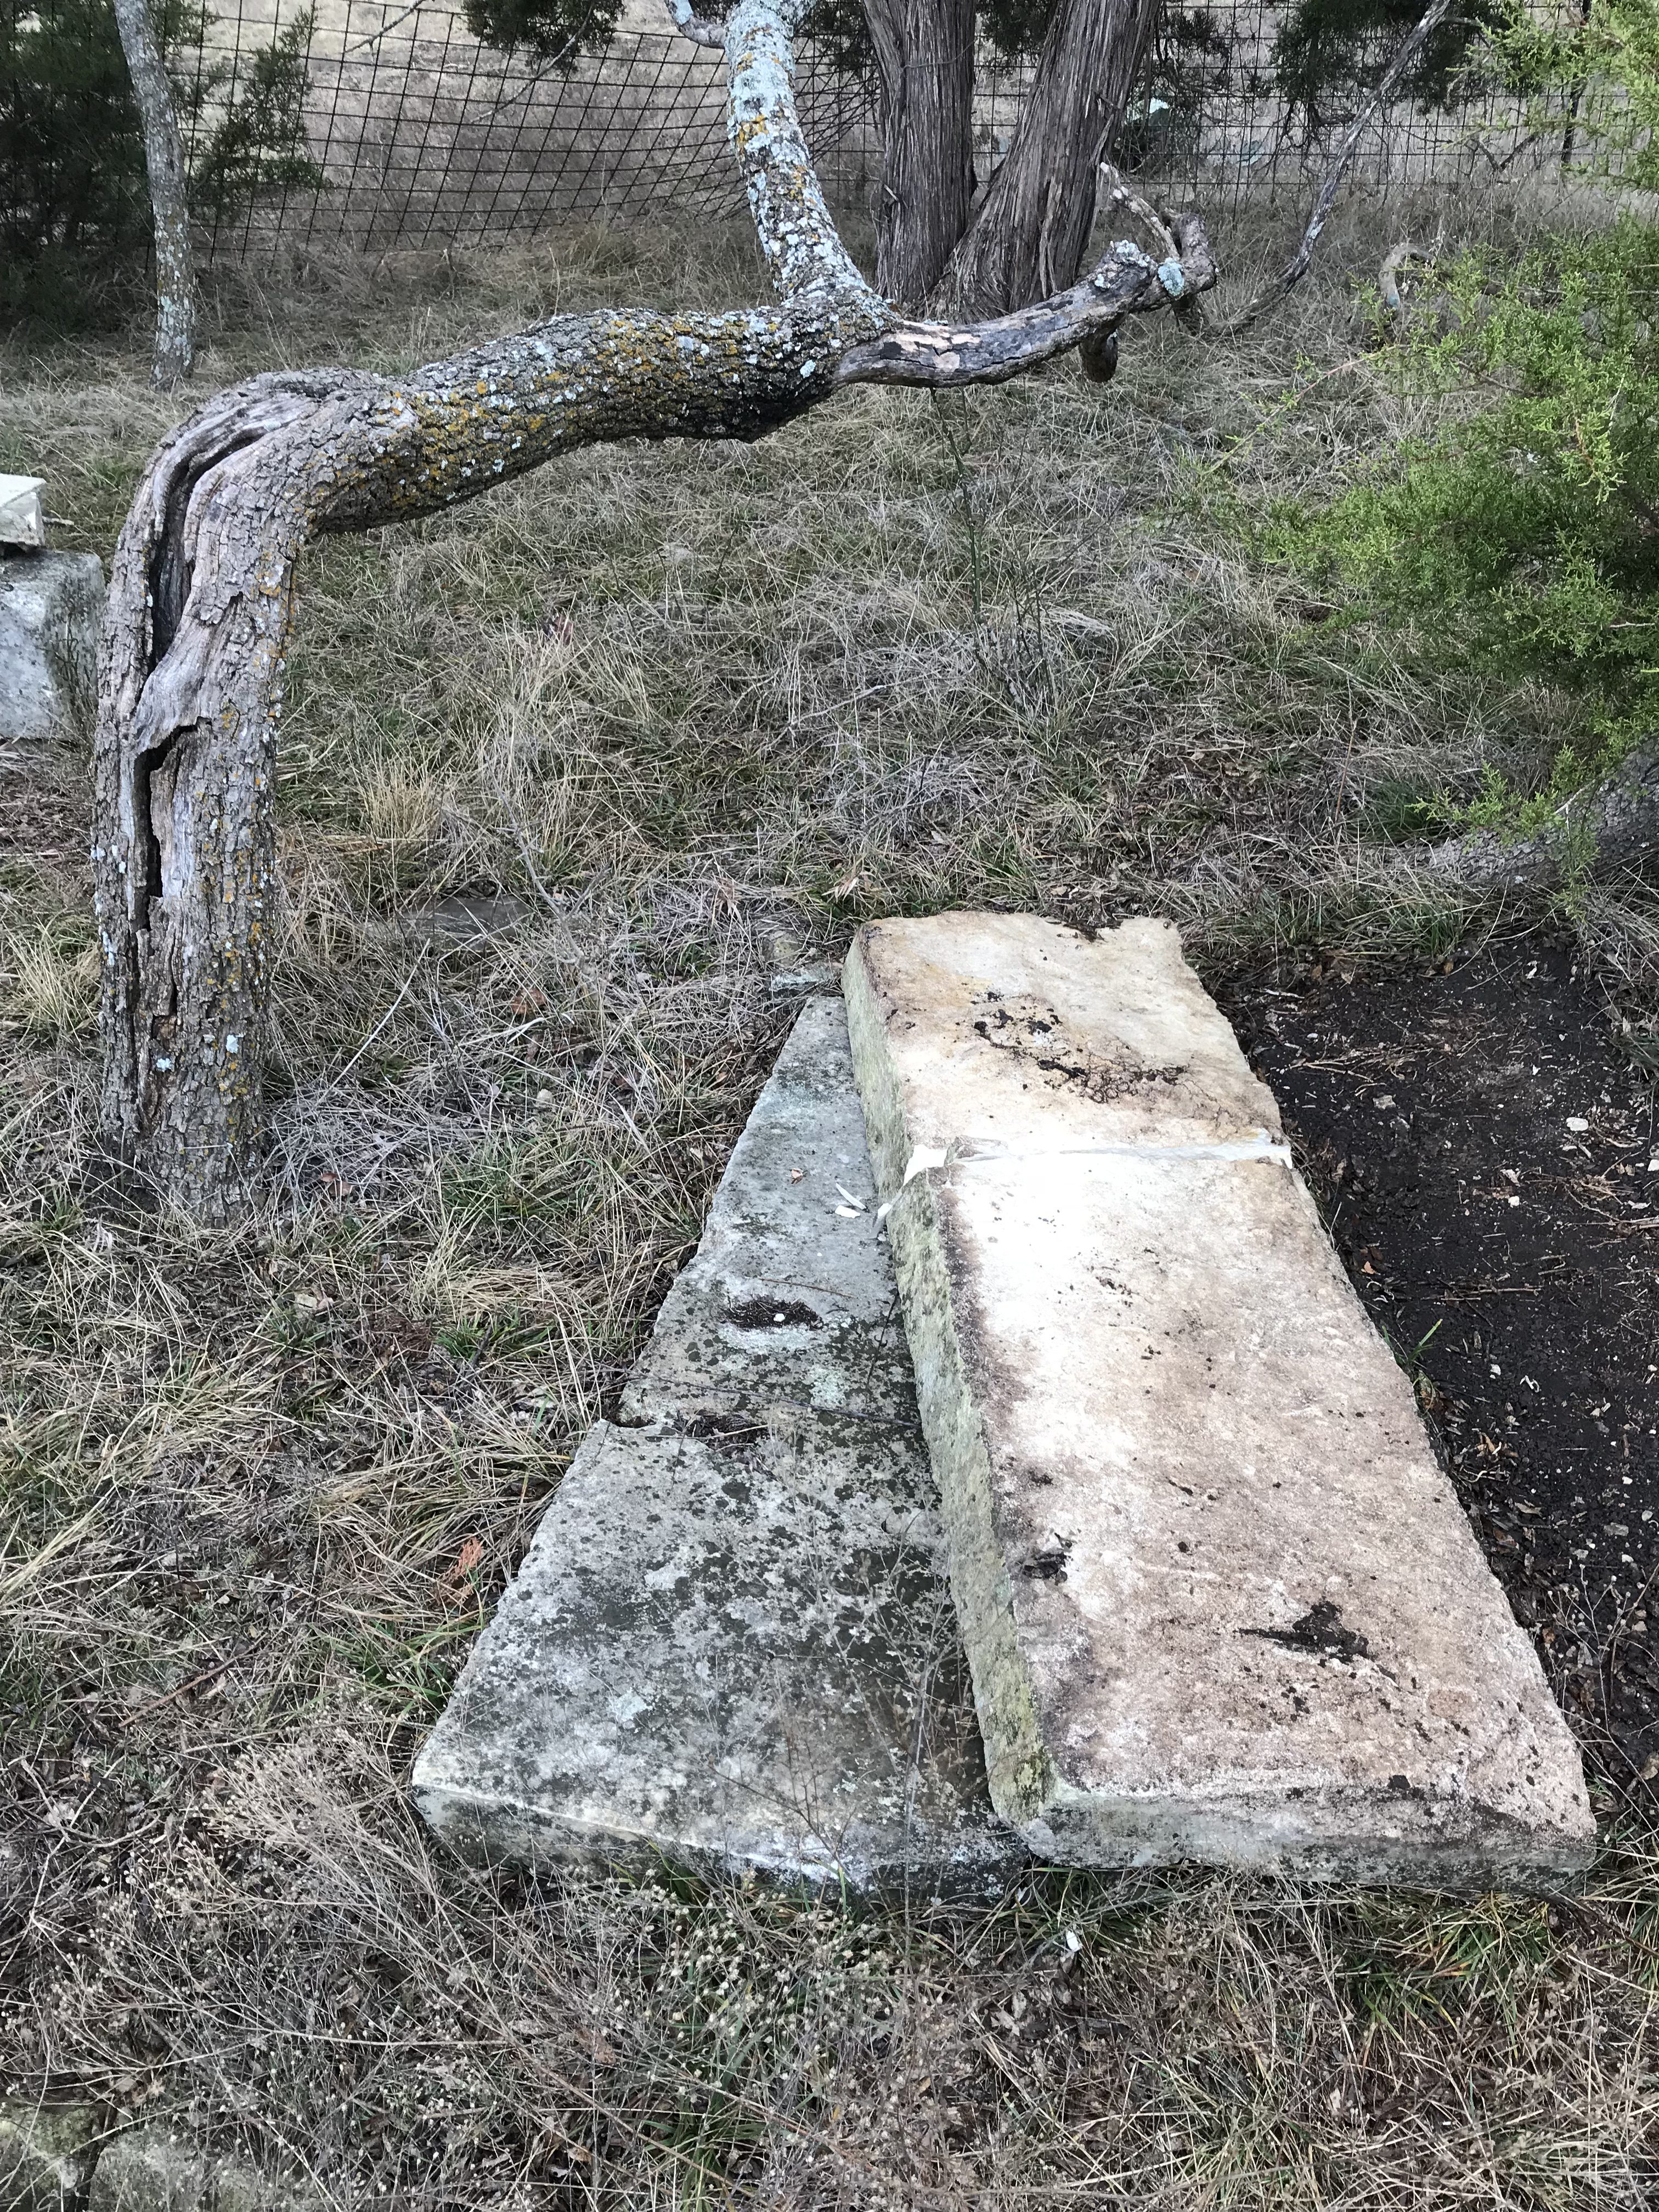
1218	1598
731	1642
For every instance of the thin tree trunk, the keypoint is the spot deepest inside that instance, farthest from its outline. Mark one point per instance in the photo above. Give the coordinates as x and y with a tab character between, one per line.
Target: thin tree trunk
164	159
1031	229
202	588
925	62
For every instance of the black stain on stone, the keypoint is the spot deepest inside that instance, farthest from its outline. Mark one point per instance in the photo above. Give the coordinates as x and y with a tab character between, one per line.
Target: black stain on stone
772	1313
1048	1563
1320	1631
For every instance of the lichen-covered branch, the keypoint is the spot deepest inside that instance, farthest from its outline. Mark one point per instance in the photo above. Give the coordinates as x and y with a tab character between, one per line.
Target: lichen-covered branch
202	592
1126	282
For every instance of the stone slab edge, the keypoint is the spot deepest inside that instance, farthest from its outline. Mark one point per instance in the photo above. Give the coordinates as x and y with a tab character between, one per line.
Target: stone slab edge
1017	1760
67	2158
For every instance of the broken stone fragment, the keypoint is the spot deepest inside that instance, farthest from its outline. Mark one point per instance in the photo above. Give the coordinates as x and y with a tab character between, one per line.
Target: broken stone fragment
151	2170
51	607
1219	1601
732	1642
21	519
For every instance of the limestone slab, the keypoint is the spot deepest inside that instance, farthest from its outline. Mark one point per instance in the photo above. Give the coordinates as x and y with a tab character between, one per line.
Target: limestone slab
731	1641
51	606
1220	1600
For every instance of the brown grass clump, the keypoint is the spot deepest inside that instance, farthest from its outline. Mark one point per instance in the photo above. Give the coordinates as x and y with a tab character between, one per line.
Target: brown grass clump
567	777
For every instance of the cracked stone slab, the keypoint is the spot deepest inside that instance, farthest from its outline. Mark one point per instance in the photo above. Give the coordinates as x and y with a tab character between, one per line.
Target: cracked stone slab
731	1641
1218	1598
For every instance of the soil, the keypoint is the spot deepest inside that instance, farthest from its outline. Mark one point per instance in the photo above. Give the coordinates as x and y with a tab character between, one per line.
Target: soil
1482	1141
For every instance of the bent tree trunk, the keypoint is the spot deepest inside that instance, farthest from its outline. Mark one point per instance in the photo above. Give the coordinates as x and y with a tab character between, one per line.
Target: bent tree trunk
201	595
1030	231
164	161
925	68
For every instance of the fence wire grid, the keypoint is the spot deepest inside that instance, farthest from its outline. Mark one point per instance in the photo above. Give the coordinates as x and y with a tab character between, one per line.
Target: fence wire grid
418	133
400	128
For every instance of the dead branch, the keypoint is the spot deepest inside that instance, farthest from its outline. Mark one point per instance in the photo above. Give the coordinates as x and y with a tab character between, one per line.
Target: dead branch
1608	825
1325	199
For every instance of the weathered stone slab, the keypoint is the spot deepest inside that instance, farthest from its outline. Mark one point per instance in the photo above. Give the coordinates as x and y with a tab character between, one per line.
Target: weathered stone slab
1220	1600
51	606
731	1641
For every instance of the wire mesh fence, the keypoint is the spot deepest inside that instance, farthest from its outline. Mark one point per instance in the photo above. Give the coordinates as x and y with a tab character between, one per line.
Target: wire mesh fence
415	132
385	122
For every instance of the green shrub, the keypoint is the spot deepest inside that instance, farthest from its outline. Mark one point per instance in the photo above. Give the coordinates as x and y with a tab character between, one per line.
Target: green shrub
1600	66
73	200
1523	534
1520	535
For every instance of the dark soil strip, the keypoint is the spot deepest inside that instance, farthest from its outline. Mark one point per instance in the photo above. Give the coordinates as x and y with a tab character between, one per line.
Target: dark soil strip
1484	1149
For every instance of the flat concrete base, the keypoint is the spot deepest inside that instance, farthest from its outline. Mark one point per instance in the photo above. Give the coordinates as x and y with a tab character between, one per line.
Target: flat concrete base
51	606
1218	1598
731	1642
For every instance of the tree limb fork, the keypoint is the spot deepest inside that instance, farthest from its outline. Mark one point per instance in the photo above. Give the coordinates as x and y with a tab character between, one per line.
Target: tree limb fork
200	600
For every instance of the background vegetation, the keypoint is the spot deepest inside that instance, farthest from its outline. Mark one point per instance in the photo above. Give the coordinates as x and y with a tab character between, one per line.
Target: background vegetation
1515	530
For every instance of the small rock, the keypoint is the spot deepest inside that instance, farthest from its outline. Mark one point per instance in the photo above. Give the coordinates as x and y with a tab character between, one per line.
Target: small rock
150	2171
465	917
546	1102
1577	1122
21	522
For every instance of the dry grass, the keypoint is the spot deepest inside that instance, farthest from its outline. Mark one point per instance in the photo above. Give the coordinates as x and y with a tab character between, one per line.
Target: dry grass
669	719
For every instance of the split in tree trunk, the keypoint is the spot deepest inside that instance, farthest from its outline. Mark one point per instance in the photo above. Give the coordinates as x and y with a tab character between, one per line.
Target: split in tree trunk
925	69
1029	233
164	159
202	589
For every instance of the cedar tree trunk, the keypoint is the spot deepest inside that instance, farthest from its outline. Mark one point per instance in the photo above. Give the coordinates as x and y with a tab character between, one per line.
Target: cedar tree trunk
1030	231
924	64
164	159
201	596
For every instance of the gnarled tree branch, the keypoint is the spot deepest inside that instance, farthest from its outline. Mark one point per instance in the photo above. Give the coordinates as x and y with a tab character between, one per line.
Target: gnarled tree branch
202	592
